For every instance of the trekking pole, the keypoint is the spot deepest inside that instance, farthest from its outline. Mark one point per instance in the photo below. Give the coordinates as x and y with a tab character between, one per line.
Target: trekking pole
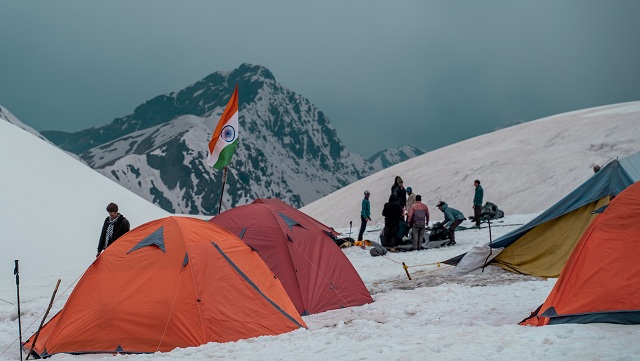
490	248
16	272
350	223
35	338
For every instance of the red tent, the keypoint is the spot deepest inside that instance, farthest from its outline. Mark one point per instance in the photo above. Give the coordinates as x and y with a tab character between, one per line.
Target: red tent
172	282
278	203
600	283
298	249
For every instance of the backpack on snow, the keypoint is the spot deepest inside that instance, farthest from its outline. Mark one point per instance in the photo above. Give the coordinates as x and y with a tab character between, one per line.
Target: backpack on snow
438	232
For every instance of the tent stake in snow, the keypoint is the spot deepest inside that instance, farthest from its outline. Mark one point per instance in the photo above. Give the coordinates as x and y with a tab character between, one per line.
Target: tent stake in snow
16	272
35	338
224	180
406	270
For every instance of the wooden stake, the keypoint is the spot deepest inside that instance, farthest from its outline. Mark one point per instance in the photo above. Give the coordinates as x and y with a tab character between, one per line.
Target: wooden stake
35	338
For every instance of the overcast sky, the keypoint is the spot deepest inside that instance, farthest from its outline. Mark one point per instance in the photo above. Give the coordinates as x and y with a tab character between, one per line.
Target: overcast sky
386	73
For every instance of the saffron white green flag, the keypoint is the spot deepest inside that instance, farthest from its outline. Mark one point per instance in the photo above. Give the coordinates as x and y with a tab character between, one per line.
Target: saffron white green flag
225	138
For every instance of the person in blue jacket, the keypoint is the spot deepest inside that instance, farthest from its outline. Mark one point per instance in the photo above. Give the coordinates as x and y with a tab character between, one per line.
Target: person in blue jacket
452	219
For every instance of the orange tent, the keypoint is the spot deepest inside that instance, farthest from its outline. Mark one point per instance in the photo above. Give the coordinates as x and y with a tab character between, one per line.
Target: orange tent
301	253
600	282
172	282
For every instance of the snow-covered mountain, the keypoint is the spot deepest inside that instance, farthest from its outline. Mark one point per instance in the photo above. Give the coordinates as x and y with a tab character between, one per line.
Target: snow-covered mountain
388	157
7	116
288	148
523	169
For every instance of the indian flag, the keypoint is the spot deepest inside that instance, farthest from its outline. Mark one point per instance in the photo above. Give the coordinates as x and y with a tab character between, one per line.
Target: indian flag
225	138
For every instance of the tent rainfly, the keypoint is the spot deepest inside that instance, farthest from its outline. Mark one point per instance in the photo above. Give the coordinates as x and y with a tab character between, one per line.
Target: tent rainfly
601	281
301	253
172	282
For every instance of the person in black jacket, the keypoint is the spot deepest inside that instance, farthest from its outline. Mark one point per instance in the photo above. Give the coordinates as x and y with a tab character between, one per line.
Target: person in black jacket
400	192
115	225
392	213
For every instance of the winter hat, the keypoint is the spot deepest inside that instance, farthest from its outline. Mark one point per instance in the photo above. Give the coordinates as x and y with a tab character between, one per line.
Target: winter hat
112	207
409	189
366	193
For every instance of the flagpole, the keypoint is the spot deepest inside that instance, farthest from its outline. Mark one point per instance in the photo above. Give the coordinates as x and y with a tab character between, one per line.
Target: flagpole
224	180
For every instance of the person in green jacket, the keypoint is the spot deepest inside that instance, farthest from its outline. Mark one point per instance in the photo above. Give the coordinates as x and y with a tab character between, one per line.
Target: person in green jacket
477	202
365	215
452	219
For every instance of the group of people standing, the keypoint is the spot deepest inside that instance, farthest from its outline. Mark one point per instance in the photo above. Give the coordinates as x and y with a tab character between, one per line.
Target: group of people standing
404	205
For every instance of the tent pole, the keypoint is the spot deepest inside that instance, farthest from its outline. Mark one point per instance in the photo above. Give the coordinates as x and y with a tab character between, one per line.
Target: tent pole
490	248
16	271
35	338
224	180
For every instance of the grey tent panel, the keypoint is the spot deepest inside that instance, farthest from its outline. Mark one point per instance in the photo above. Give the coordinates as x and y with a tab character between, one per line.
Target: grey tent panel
290	222
156	238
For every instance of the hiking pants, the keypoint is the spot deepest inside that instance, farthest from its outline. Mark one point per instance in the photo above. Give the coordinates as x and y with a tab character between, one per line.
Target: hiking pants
452	229
363	226
418	235
477	210
389	237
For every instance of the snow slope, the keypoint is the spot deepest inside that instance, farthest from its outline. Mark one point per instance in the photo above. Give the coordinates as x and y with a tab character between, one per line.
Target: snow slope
53	206
523	169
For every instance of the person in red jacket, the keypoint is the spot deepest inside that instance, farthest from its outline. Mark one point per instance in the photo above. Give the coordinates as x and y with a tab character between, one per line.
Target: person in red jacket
419	216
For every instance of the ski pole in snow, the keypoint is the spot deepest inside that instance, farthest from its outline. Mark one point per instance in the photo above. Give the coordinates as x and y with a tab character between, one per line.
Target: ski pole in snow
350	222
16	272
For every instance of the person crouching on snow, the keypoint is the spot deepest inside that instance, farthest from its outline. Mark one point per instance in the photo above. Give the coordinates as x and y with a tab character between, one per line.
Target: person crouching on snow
452	219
